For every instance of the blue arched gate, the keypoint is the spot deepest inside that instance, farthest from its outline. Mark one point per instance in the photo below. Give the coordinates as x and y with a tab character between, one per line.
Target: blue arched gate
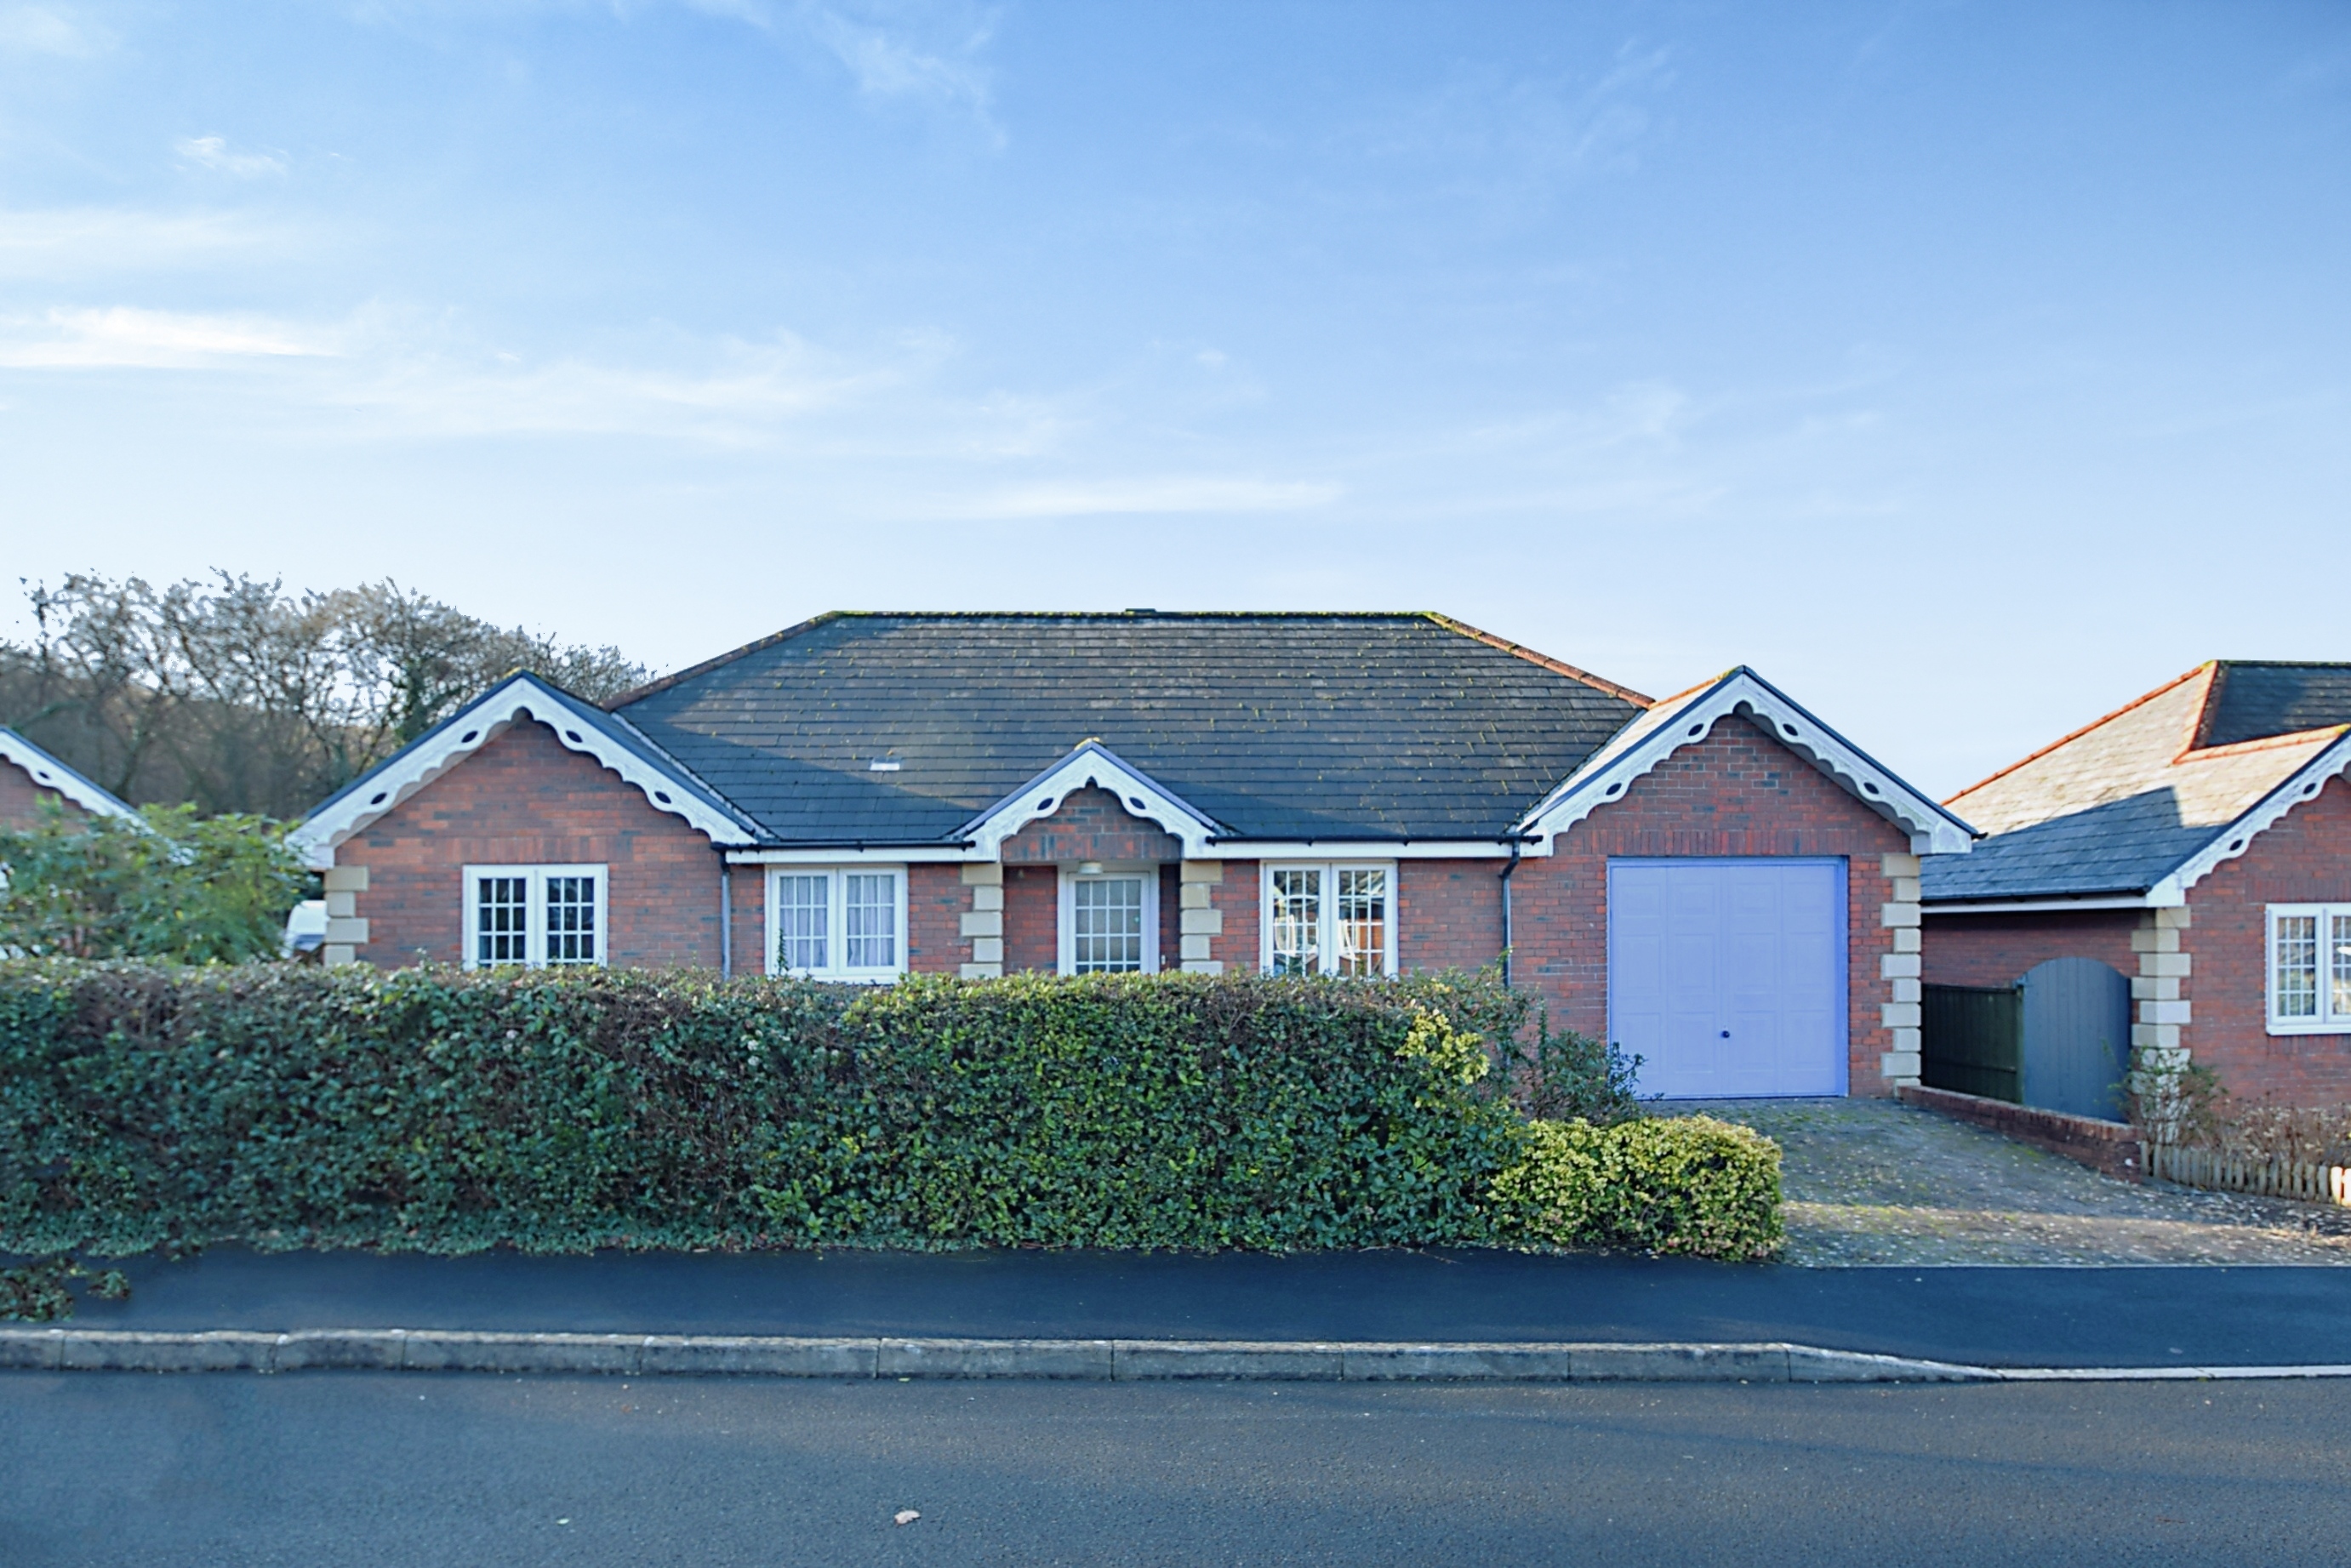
2076	1036
2059	1039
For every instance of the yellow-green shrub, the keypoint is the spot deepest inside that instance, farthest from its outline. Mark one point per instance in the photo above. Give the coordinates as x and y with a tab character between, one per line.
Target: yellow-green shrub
1688	1185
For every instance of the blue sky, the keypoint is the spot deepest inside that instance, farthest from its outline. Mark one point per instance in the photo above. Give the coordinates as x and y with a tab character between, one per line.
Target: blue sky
1967	369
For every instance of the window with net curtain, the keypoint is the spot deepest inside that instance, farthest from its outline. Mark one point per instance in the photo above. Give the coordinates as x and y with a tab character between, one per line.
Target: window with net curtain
2310	969
836	922
1329	919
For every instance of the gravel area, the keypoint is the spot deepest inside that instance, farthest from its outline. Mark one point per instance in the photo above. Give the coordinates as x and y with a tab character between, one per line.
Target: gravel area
1871	1181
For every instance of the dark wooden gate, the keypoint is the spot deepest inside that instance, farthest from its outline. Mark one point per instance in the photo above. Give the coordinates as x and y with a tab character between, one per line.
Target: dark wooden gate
2076	1038
1973	1040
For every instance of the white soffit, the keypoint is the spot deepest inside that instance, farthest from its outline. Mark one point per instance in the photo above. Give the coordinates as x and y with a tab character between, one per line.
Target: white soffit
2237	837
520	697
1091	764
51	774
1614	768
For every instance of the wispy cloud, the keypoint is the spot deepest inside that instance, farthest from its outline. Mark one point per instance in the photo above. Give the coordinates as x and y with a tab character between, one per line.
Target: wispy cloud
1515	137
922	51
212	152
42	30
1177	493
153	339
743	398
74	242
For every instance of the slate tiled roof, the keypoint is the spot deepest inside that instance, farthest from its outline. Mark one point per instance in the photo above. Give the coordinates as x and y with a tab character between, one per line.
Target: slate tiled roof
2117	807
2252	702
1276	726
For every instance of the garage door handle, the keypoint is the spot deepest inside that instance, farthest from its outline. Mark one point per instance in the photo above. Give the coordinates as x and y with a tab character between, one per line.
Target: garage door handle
1726	1034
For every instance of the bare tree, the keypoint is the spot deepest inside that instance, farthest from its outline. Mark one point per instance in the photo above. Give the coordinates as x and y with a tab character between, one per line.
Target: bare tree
234	694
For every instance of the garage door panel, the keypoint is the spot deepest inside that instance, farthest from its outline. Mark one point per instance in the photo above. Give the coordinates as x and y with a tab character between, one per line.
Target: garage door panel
1726	976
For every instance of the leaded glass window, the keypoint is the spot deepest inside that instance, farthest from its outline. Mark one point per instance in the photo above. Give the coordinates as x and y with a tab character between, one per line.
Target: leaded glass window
1107	924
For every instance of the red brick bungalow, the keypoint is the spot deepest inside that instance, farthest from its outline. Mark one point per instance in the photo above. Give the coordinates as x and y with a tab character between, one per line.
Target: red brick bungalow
1718	881
2198	843
32	780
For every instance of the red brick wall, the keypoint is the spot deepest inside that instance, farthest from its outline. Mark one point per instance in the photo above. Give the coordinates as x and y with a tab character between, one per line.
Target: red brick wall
1092	825
1997	949
523	799
936	901
1448	913
2304	858
1033	917
21	799
750	899
1236	947
1736	792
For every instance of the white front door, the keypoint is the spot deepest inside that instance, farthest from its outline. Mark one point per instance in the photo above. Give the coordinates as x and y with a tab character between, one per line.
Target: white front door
1726	976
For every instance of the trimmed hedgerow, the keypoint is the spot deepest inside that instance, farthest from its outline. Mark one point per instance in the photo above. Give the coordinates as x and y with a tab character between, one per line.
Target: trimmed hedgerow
440	1111
1671	1184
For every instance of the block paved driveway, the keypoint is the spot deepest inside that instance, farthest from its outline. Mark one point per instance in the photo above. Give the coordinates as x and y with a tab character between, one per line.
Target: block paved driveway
1871	1181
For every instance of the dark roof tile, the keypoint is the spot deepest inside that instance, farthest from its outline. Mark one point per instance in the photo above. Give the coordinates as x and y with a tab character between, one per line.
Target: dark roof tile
1372	726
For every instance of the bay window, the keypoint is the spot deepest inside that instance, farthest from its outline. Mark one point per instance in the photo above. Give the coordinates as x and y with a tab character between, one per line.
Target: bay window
534	916
1327	918
2309	968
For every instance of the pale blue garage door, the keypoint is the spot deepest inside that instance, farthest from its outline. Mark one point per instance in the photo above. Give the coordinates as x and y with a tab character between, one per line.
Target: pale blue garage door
1726	976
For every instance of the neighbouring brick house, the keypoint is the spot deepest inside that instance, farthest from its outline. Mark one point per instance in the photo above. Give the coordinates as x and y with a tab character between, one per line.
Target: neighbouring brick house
2197	841
30	779
1717	881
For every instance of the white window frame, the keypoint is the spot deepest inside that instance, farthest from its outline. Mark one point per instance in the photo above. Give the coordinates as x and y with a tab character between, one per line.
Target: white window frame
535	914
836	922
1328	956
1067	919
2329	1019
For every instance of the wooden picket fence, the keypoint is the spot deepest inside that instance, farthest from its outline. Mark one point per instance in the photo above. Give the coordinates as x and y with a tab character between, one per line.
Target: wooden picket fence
2235	1173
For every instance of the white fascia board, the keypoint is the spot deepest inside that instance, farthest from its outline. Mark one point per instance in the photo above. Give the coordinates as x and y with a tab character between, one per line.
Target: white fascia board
518	699
851	854
51	774
1091	764
2239	835
2039	905
1359	849
1933	831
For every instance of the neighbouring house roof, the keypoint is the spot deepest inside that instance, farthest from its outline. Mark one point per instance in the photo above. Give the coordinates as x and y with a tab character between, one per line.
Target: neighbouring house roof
2141	803
51	774
577	723
1687	718
1272	726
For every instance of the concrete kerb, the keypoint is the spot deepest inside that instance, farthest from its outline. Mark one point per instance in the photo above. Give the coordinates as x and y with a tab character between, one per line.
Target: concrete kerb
1097	1360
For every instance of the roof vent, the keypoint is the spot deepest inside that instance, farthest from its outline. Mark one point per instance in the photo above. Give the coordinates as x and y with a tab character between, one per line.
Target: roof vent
1143	613
885	765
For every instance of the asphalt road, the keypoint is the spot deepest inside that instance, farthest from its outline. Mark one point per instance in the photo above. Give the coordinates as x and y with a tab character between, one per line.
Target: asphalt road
317	1470
2010	1316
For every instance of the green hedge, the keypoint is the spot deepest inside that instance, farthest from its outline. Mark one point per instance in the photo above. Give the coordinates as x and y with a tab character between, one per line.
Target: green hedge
433	1109
1683	1183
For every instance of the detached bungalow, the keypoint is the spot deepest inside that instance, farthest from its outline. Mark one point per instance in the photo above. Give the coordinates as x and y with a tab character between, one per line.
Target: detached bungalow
1718	881
2195	847
31	779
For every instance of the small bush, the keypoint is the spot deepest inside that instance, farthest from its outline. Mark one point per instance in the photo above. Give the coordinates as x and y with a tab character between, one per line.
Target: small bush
1559	1075
1686	1185
170	885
